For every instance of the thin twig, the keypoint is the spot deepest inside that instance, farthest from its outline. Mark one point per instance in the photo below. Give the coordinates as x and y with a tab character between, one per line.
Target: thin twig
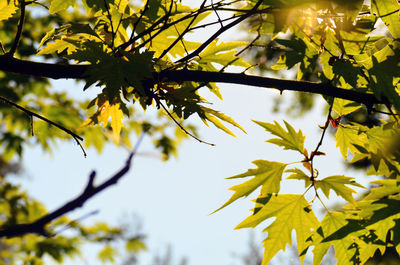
19	30
146	7
31	114
111	23
312	155
216	13
181	127
180	37
218	33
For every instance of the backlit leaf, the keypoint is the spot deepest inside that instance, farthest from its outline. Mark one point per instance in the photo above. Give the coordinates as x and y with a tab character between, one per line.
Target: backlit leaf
291	212
267	175
338	185
60	5
289	139
7	9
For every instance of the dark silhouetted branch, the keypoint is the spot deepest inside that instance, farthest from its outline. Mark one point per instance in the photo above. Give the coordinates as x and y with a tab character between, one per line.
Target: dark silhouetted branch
39	226
57	71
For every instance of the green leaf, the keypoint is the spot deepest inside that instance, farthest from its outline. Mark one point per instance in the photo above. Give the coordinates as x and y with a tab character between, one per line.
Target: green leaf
386	187
116	115
343	107
60	5
135	245
7	9
268	175
388	11
222	53
300	175
348	136
58	47
338	185
289	140
107	254
291	212
343	252
214	117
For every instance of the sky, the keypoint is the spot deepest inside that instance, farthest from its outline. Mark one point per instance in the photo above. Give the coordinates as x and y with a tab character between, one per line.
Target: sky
174	200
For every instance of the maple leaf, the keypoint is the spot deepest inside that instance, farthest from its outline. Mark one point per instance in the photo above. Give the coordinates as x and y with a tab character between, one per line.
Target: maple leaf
332	222
268	175
215	117
338	184
289	140
60	5
348	136
7	9
300	175
291	212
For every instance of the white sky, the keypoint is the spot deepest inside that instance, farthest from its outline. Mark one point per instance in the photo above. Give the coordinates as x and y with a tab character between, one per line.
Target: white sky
174	199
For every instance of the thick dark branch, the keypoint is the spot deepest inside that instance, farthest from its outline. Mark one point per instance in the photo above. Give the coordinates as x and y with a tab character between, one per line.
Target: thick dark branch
38	226
57	71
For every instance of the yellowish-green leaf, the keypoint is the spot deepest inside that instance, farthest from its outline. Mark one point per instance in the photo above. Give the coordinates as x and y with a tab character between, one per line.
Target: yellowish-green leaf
346	137
343	107
338	185
135	244
57	47
291	212
386	187
116	121
289	140
388	11
60	5
215	117
107	254
7	9
332	222
300	175
222	53
268	175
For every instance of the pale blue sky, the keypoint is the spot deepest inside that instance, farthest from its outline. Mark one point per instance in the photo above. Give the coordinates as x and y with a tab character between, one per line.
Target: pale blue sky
174	198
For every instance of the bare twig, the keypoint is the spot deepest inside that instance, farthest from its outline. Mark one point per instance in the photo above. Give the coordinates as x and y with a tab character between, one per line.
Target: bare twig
324	129
180	37
181	127
31	114
19	30
218	33
39	226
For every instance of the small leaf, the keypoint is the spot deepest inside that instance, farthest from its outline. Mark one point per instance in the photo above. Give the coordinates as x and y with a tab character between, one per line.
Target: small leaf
7	9
60	5
107	254
338	184
343	107
213	116
289	140
116	115
268	175
300	175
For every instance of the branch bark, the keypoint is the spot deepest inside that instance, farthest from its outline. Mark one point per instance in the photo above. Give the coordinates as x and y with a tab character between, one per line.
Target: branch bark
57	71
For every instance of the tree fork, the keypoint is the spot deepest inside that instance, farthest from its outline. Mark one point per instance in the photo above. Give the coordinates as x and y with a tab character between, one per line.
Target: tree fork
66	71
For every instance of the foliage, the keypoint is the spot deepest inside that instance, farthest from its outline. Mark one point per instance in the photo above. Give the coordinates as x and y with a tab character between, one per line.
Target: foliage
140	55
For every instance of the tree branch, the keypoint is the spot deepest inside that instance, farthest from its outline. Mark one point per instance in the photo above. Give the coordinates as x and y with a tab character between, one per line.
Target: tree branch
19	30
38	226
57	71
